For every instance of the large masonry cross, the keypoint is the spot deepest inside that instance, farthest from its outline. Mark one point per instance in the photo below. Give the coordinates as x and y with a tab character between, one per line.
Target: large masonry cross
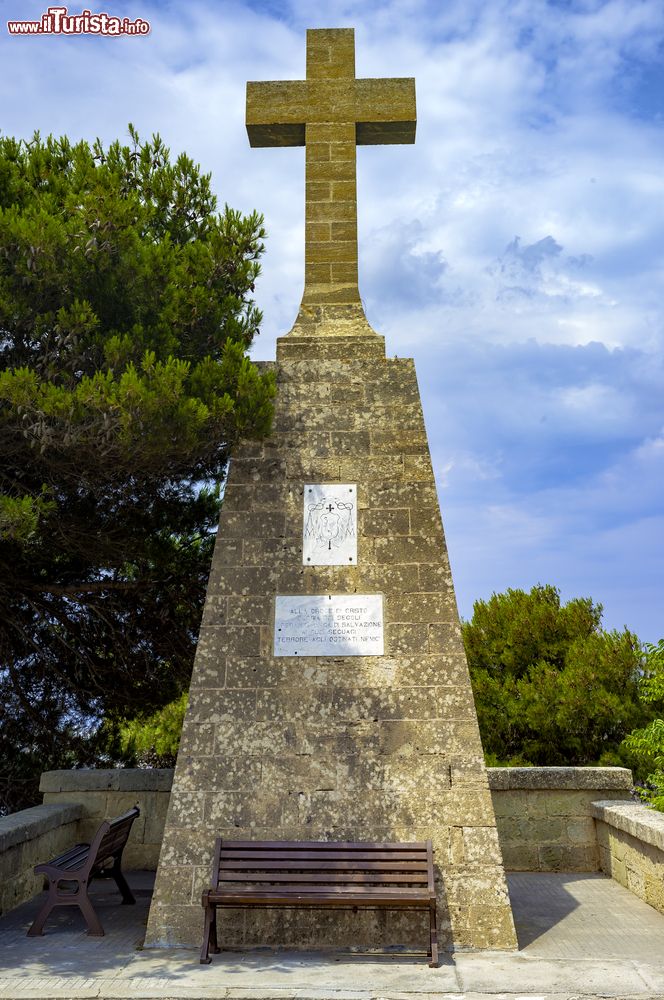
330	113
330	677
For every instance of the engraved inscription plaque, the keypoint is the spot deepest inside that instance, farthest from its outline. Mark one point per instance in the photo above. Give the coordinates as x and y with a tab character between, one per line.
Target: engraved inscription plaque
329	625
329	533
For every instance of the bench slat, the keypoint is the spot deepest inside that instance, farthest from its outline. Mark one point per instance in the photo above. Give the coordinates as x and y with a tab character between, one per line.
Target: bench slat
342	890
329	855
72	858
114	839
351	878
336	866
323	892
316	902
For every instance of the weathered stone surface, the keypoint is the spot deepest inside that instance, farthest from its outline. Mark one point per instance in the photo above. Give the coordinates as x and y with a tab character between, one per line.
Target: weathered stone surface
560	778
632	818
105	793
132	779
87	779
335	747
545	815
24	826
330	112
342	748
28	838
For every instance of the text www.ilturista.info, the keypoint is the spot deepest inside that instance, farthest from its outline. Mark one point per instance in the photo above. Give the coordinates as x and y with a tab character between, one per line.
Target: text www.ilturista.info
58	21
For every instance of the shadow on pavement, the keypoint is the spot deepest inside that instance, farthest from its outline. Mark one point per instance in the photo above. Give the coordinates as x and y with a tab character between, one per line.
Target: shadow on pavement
539	902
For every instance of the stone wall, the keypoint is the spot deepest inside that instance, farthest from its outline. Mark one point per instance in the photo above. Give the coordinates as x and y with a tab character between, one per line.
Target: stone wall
549	819
544	814
28	838
103	794
631	848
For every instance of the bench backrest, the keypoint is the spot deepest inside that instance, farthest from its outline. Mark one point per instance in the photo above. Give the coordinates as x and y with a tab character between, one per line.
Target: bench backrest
321	864
112	836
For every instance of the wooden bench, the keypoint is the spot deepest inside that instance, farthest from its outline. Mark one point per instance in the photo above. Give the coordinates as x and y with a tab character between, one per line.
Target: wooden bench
319	874
69	875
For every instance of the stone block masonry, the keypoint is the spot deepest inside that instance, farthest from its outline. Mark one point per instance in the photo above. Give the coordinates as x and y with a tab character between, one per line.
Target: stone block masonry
631	848
332	748
328	747
102	794
28	838
329	113
545	814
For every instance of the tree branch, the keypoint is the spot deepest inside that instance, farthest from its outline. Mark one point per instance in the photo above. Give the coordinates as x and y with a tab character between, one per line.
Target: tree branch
92	587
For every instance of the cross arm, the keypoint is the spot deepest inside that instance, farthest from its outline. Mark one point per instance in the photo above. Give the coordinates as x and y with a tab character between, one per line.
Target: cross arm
385	111
276	112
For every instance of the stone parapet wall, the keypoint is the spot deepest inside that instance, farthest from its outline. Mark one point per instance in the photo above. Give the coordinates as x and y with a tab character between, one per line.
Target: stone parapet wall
544	814
631	848
28	838
105	793
545	818
549	819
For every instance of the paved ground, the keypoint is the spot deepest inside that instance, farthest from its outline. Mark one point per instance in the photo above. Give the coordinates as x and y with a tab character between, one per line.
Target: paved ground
580	936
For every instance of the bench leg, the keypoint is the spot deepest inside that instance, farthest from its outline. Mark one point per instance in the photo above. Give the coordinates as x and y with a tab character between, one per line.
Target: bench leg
214	944
92	920
210	915
78	898
433	937
37	927
121	882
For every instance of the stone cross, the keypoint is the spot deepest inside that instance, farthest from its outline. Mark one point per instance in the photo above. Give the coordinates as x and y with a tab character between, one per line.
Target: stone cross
330	113
342	738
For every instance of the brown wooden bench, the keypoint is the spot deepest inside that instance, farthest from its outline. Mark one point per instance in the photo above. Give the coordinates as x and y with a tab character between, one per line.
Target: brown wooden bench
319	874
69	875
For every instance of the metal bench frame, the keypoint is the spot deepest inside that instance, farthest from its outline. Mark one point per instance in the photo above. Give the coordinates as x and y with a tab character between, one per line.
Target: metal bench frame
69	875
319	874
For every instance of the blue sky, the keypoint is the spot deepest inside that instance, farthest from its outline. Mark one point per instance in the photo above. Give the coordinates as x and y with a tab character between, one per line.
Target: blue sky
516	251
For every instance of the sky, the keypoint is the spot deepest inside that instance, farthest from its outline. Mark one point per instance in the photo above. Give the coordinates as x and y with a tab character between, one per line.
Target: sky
516	251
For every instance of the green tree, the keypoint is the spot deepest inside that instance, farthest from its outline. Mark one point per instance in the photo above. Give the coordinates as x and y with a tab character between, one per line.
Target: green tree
551	686
647	744
150	740
125	316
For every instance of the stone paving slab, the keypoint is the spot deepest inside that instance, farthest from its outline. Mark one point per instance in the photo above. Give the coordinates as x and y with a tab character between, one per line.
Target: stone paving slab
483	973
568	916
581	937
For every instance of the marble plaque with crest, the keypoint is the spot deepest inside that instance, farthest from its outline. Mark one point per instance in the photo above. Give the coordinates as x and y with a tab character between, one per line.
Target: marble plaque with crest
329	529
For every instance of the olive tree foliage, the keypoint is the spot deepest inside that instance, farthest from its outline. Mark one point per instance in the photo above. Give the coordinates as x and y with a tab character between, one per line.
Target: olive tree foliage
647	744
551	686
125	317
